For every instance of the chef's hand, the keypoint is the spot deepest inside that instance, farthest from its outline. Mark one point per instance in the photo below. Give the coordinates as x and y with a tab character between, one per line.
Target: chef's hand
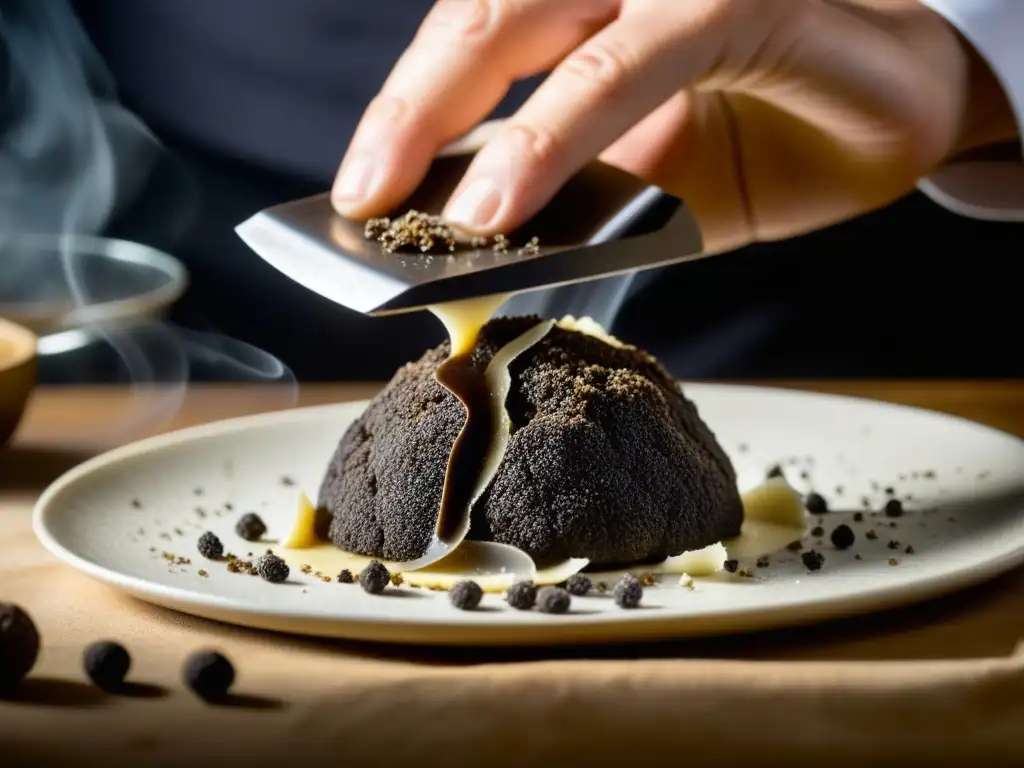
769	117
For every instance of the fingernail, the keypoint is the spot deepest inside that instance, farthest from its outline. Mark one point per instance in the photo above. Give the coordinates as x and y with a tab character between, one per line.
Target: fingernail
354	182
476	206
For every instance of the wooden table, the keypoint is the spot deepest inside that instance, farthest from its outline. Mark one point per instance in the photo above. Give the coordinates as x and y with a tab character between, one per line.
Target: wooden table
327	696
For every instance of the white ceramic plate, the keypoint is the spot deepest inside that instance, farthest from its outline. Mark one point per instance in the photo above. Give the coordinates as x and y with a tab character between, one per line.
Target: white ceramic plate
963	521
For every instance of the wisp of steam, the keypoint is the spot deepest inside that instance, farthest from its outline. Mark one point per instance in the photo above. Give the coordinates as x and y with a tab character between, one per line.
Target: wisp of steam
71	157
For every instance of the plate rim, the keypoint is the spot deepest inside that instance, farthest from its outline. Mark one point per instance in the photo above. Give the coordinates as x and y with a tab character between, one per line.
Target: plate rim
607	627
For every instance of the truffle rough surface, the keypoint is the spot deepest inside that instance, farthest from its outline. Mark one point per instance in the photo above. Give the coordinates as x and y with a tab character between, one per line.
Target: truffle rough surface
607	459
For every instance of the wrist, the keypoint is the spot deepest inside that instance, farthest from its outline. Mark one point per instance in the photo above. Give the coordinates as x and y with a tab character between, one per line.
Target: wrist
988	118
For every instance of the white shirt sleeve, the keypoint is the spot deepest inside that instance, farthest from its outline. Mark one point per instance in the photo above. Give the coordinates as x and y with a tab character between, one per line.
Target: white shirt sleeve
988	190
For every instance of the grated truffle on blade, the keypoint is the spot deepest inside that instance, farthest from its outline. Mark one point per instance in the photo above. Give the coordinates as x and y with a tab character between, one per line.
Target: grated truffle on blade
607	460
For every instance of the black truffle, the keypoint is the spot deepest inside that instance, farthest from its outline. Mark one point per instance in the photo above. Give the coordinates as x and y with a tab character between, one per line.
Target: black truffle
813	560
19	645
273	568
346	577
628	592
250	527
607	460
106	664
209	675
843	537
466	595
578	585
210	546
894	508
775	471
553	600
522	595
816	504
374	578
731	566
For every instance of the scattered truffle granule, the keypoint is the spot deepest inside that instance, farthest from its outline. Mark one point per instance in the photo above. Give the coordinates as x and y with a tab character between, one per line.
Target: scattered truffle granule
251	527
909	550
858	517
19	645
894	508
817	531
775	471
136	504
893	544
576	402
210	546
578	585
273	569
465	595
397	579
843	537
816	504
413	232
893	561
374	578
209	675
106	664
812	560
890	491
795	546
731	566
522	595
553	600
871	534
763	561
628	592
346	577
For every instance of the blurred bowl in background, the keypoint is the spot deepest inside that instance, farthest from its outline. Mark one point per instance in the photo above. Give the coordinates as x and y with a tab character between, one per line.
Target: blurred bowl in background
65	288
17	375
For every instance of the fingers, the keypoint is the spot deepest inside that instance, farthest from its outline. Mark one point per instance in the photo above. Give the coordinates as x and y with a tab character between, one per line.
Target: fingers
464	58
605	86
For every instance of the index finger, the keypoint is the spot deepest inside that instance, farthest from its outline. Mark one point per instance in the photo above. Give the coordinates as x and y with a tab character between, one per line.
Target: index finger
461	63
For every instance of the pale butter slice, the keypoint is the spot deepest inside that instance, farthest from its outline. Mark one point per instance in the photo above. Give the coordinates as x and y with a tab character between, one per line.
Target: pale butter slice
559	572
589	327
776	502
303	533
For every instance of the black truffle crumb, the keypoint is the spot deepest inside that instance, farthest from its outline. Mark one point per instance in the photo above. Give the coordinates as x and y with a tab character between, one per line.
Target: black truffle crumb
106	664
894	508
136	504
250	527
19	645
346	577
909	550
578	584
871	534
210	546
843	537
795	546
628	592
817	531
893	544
816	504
209	675
466	595
858	517
813	560
775	471
272	568
890	491
522	595
731	566
763	561
553	600
374	578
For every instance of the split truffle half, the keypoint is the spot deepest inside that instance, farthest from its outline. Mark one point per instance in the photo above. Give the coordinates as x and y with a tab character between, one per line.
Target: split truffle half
607	460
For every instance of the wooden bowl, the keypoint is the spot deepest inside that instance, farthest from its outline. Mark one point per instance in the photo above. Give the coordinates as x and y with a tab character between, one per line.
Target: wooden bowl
17	375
